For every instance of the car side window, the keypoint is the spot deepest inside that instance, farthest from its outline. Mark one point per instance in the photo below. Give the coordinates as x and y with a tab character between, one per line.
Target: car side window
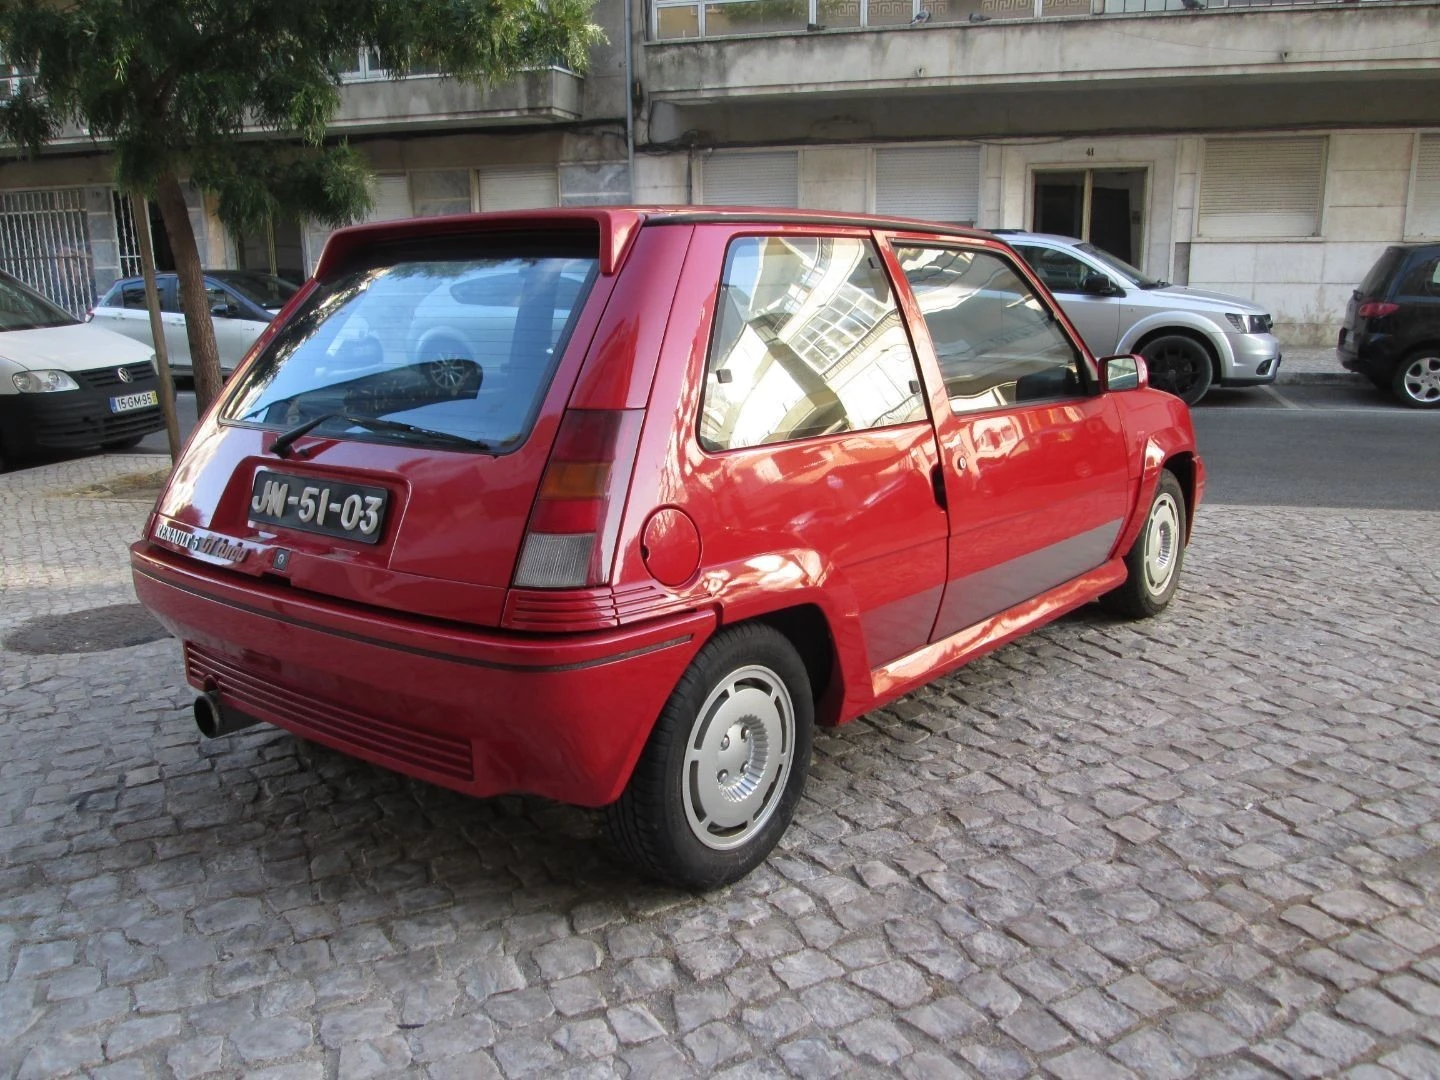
808	341
170	297
1423	279
216	297
133	297
1059	270
996	343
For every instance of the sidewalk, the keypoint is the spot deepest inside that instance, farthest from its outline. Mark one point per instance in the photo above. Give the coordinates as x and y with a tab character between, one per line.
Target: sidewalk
1311	365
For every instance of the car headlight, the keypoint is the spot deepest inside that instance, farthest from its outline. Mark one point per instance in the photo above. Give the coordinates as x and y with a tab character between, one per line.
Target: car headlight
1249	324
43	382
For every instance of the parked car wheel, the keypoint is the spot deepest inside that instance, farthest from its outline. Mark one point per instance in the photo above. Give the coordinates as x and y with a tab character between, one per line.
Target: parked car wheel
1179	365
1154	560
719	780
1417	379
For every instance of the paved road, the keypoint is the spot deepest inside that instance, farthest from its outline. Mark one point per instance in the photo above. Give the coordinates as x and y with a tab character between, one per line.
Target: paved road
1203	846
1342	446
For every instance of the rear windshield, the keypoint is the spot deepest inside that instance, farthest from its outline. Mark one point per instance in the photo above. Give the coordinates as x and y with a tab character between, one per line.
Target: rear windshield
435	351
21	308
1378	278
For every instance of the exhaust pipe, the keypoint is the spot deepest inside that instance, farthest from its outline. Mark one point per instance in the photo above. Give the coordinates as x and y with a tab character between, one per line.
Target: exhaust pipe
214	720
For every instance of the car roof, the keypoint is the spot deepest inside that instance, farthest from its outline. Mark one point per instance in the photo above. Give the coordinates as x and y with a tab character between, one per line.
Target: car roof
617	226
1015	236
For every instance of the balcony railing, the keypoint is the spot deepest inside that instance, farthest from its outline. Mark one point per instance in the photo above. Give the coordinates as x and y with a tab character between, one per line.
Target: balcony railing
679	19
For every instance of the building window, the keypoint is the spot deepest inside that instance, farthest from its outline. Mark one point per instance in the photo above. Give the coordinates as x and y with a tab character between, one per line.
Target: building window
1424	216
936	183
1258	188
745	179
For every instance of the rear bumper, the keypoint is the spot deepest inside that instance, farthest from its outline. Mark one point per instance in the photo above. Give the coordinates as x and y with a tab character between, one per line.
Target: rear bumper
563	716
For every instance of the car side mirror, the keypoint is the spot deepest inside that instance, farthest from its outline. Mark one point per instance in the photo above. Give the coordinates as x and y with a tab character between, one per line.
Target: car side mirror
1097	284
1125	372
224	310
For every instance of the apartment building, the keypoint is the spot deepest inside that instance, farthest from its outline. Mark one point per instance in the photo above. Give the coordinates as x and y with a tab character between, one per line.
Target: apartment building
1266	149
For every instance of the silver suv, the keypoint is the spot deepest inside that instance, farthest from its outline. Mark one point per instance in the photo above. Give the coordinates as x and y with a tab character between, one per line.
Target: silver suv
1191	340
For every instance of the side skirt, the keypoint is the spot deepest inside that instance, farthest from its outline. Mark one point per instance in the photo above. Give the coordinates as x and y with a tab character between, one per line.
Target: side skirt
915	669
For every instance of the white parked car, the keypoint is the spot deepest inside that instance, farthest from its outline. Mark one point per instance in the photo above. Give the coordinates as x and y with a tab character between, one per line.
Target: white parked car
1191	340
68	386
242	303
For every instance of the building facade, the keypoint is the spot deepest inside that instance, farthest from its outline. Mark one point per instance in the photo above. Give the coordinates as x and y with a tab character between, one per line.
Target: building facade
1270	150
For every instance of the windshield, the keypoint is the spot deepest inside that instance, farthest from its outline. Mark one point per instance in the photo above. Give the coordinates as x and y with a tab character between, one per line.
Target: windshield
263	290
455	348
22	308
1120	267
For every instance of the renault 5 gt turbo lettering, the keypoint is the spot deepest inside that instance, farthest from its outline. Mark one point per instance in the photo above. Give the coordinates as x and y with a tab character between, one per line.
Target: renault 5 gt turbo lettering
693	482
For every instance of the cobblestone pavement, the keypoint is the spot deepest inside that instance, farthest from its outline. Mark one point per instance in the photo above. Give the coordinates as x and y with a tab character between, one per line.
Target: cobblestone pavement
1204	846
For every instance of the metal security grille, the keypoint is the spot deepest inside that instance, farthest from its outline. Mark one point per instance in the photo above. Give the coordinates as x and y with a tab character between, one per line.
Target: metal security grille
45	242
126	236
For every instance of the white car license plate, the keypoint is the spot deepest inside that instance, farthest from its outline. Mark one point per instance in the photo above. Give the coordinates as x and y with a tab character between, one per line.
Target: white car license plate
127	402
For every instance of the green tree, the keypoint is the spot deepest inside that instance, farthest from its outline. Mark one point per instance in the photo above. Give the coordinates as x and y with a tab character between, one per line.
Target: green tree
180	88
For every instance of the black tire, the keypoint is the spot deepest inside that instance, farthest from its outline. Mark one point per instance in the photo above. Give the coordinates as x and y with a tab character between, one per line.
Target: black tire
1417	379
1155	559
1179	365
659	820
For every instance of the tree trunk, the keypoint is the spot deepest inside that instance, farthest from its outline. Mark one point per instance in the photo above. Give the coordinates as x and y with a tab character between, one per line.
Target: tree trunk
199	329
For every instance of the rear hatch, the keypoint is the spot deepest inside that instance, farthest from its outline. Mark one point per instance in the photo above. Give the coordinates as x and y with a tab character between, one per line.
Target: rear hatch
1375	287
386	445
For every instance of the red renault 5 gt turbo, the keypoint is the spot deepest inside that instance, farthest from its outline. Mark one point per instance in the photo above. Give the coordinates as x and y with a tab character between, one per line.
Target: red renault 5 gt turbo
613	505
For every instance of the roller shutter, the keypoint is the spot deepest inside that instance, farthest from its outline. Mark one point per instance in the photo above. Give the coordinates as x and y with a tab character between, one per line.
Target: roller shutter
519	188
391	195
1262	187
936	183
1424	217
769	179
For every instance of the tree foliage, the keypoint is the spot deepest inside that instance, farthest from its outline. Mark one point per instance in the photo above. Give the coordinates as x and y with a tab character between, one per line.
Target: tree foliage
182	88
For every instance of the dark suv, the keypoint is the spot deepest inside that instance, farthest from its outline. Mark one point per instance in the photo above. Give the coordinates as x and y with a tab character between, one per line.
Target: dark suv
1392	326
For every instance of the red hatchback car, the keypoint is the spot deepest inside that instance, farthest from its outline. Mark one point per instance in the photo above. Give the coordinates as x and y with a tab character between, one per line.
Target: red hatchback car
614	505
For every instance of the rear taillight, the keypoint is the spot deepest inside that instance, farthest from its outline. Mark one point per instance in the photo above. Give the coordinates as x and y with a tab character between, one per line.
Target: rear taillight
570	542
1377	309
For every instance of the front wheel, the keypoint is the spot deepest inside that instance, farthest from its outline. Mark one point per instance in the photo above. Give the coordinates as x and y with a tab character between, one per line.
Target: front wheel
718	782
1155	558
1179	365
1417	380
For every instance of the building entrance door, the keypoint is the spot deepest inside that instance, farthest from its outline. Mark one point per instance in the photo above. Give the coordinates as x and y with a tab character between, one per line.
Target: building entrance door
1103	206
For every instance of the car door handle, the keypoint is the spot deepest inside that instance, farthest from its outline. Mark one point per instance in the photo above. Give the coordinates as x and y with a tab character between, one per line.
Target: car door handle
937	485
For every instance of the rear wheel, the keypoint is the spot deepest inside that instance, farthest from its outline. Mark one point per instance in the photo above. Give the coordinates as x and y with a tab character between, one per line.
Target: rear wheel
718	782
1154	560
1179	365
1417	380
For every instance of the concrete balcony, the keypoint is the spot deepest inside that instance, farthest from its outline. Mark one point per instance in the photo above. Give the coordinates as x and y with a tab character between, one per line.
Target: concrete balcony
1231	68
550	95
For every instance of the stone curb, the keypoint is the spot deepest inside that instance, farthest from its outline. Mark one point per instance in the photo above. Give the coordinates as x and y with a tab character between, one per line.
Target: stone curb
1318	378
